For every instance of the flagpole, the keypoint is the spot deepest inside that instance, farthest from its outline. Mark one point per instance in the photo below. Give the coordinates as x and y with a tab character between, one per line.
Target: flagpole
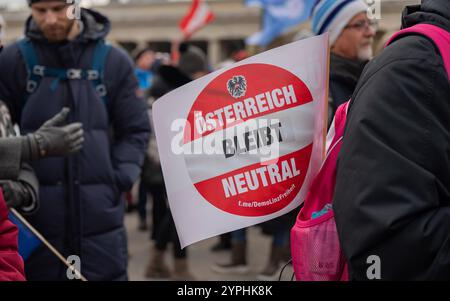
327	92
47	244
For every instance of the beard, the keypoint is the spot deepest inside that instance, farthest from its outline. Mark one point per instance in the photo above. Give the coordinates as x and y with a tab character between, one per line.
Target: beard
57	32
365	53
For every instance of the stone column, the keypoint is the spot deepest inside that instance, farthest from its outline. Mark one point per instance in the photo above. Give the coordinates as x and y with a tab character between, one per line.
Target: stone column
214	52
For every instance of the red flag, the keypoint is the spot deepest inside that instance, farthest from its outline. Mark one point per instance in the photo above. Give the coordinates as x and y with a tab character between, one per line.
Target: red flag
198	16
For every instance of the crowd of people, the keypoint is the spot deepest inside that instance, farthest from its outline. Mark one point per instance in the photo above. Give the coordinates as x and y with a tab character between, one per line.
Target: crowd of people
76	135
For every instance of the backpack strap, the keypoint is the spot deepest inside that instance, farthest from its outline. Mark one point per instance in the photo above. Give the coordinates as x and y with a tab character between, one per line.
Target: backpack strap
96	75
439	36
34	70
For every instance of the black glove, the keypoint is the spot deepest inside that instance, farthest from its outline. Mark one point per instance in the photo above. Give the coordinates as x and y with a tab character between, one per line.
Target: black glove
53	139
17	194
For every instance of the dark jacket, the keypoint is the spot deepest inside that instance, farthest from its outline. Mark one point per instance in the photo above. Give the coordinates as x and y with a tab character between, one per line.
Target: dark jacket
166	79
344	75
392	195
11	167
151	170
81	210
10	149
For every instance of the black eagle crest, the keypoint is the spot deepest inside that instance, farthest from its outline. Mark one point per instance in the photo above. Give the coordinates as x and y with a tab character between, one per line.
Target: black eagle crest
237	86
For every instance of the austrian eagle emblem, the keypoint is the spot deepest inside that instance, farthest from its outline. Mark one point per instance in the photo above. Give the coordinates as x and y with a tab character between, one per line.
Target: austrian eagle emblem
237	86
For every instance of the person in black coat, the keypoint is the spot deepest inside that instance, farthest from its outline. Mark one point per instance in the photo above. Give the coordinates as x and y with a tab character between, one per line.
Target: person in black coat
392	196
192	65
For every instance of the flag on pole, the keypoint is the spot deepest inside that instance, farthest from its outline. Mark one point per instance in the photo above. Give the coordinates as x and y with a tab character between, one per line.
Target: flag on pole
279	16
197	17
28	241
240	146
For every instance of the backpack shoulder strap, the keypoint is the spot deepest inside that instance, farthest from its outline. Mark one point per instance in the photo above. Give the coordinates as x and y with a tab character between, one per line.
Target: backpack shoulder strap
96	75
439	36
34	70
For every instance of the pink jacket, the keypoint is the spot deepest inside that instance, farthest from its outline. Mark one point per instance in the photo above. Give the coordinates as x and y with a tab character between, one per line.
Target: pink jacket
11	264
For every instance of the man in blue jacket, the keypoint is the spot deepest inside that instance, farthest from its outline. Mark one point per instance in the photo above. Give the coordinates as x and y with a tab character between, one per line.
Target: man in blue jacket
64	62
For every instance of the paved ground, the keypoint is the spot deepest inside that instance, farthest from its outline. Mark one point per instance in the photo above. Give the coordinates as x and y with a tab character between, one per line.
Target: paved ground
200	258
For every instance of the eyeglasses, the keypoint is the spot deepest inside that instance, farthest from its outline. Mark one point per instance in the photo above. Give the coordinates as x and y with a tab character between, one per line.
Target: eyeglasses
363	25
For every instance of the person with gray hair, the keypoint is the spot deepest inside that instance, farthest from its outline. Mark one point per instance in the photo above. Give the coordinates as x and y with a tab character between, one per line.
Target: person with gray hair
351	37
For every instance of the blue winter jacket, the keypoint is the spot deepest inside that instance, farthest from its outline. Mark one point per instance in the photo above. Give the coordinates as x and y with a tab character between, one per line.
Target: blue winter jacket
81	211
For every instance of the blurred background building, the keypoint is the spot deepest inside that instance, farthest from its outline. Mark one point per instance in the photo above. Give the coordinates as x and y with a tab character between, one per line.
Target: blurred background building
138	23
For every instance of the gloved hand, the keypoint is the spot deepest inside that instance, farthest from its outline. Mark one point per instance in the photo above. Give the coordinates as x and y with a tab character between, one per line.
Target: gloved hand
53	139
16	194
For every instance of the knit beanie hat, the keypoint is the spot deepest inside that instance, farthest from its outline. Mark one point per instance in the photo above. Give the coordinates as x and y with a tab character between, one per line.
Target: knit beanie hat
30	2
334	15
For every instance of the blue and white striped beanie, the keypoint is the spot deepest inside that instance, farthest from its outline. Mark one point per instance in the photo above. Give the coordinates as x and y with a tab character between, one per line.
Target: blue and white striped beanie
334	15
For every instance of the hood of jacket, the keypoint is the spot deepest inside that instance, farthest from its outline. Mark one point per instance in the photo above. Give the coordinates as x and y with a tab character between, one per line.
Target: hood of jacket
436	12
95	26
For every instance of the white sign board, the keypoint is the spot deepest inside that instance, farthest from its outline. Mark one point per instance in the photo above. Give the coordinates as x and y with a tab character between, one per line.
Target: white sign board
240	146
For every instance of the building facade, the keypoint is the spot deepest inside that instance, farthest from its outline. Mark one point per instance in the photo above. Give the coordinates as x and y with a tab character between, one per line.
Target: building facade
136	23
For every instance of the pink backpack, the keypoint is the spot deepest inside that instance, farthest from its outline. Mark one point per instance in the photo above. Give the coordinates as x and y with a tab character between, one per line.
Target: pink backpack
315	247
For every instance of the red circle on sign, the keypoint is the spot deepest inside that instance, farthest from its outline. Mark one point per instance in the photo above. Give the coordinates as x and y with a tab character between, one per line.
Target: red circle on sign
241	94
